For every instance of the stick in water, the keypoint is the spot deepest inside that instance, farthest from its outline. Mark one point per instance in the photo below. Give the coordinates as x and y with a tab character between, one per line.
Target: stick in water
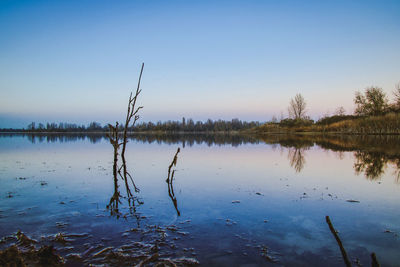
344	254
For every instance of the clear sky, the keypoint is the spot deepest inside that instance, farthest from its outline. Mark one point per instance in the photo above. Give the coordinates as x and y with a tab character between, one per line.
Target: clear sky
77	61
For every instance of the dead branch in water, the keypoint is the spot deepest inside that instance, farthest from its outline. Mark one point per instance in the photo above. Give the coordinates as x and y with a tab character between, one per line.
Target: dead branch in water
132	112
374	262
334	232
173	163
113	136
170	180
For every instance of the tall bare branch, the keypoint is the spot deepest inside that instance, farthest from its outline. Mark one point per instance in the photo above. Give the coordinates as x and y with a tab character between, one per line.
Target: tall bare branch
132	112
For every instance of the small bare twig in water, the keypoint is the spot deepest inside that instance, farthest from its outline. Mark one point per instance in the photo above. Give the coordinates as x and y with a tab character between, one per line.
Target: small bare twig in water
374	262
170	180
334	232
173	163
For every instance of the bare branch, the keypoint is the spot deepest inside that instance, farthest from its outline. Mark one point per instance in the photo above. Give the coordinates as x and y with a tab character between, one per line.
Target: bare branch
334	232
132	111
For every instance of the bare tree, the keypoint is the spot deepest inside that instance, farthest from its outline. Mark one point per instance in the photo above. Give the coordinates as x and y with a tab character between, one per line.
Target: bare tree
396	93
297	107
340	111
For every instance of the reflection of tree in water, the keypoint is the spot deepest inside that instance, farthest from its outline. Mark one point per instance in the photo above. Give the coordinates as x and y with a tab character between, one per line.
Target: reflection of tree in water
166	138
371	164
339	155
61	137
170	180
372	153
133	200
397	170
297	158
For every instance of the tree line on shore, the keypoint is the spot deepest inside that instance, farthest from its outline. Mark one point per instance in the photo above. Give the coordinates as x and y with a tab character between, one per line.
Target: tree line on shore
185	125
374	113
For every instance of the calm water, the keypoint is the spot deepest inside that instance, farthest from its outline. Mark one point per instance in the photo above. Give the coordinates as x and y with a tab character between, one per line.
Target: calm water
233	201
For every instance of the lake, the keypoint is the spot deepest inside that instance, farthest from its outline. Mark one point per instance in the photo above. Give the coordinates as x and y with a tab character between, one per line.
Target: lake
232	201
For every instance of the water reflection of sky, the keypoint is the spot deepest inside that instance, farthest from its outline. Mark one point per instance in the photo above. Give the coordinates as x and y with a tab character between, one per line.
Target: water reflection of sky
278	206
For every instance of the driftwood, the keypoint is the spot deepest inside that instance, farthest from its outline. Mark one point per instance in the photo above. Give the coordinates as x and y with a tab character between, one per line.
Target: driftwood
374	262
334	232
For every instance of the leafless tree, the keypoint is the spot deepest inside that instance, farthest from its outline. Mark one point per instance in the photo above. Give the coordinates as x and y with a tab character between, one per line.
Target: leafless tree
340	111
396	93
297	107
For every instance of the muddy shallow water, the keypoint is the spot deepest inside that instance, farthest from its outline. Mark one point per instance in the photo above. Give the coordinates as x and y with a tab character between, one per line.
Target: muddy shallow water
234	201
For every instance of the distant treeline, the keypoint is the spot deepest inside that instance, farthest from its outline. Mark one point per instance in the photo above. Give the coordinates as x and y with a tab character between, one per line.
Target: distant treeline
199	126
188	126
60	127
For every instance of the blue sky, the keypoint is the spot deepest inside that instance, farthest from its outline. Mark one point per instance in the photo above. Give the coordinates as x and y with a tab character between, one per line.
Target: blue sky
76	61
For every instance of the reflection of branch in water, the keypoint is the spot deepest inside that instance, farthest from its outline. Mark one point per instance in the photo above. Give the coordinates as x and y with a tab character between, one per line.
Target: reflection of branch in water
170	180
114	200
114	140
397	170
371	164
132	200
113	205
296	158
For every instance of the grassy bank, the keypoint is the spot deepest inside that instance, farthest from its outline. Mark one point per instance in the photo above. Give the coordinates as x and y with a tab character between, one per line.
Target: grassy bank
384	124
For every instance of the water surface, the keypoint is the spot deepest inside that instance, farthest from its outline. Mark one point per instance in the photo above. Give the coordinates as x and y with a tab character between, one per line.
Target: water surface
234	200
